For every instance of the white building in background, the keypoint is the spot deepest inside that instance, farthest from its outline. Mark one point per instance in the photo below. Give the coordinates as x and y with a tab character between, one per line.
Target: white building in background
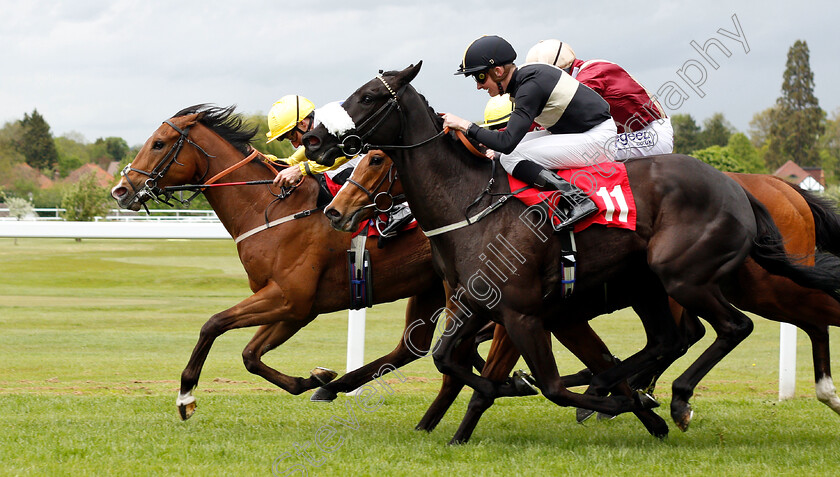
808	178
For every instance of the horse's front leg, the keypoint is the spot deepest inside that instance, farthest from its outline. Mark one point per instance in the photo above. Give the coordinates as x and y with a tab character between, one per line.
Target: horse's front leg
420	315
265	307
460	328
501	358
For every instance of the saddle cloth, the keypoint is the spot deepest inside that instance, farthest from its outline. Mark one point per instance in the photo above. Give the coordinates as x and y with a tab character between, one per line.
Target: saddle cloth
606	184
373	231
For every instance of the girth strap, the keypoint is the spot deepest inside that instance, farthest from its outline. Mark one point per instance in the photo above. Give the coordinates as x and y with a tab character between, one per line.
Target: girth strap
568	257
360	271
273	223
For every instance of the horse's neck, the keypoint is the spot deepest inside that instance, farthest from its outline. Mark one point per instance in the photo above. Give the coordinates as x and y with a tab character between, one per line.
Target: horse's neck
442	179
241	208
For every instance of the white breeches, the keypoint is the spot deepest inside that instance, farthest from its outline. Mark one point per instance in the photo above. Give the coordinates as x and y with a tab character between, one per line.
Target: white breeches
564	151
656	138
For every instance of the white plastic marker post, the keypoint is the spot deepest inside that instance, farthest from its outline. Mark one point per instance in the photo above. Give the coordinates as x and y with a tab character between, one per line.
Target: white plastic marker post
355	341
787	361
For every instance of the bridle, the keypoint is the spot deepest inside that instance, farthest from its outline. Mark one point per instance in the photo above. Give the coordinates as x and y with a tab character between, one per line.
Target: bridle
164	195
386	195
150	189
358	145
353	142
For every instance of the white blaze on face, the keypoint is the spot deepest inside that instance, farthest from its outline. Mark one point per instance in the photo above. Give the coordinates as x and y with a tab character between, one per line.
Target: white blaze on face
335	118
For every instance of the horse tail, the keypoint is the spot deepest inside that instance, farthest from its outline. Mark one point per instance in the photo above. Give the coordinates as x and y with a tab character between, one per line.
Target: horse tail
826	220
769	252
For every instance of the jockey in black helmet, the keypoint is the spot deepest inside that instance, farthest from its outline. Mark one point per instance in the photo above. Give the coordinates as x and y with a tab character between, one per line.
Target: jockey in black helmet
577	124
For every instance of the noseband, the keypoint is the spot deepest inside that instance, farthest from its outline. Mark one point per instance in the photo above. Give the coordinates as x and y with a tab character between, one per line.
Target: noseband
374	197
150	189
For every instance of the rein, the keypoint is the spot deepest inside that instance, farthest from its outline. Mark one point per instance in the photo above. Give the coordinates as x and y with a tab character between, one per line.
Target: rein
151	190
354	143
358	145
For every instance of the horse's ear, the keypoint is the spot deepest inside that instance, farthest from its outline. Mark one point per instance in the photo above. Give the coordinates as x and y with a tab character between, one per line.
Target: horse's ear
405	76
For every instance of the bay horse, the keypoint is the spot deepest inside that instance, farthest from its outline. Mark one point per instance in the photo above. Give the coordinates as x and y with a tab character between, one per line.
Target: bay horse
296	270
695	227
802	219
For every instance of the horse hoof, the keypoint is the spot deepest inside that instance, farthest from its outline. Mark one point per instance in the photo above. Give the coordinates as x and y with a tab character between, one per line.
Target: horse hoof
602	416
659	429
186	405
323	395
647	400
525	384
686	421
583	414
186	411
682	416
424	427
323	375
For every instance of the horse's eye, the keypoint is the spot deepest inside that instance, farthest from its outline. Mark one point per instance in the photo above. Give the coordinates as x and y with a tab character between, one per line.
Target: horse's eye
367	99
376	160
157	145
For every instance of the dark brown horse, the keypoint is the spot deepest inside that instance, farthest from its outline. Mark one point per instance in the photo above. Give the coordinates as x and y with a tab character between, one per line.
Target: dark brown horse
772	296
695	227
297	270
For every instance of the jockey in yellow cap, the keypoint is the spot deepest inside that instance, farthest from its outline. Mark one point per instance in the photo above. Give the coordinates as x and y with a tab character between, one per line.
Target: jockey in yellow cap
497	112
290	118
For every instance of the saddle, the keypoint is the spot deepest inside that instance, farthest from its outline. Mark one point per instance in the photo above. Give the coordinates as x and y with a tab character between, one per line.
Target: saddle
606	184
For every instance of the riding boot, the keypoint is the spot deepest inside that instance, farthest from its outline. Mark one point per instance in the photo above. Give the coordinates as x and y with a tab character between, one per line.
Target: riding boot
399	217
576	204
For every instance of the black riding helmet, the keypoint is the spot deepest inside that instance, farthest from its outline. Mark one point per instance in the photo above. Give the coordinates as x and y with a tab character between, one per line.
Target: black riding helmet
485	53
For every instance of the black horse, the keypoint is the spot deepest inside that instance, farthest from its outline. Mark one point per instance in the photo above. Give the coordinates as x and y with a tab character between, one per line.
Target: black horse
695	227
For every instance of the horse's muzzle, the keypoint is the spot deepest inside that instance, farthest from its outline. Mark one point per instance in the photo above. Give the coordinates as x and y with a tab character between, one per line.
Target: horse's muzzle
125	199
340	221
317	151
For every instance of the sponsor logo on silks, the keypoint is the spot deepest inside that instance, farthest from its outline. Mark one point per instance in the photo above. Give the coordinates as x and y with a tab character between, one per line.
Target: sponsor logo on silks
636	140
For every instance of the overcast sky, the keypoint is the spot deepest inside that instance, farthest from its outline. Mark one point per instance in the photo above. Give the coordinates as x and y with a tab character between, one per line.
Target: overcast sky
119	67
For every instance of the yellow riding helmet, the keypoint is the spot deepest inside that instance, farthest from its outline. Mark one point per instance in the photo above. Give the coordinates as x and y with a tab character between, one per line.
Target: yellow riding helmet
285	114
497	112
553	52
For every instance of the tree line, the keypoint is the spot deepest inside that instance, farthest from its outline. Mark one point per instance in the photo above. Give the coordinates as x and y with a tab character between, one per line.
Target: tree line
794	128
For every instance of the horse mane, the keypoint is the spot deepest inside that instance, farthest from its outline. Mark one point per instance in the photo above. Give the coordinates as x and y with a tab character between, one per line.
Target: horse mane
224	122
436	118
